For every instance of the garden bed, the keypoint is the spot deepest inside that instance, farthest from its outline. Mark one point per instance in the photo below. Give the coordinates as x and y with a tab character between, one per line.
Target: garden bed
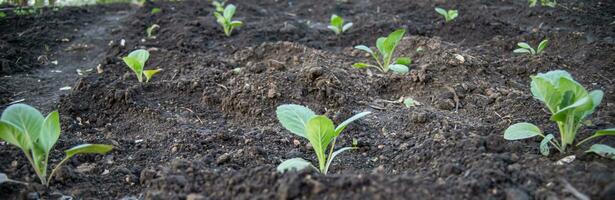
202	129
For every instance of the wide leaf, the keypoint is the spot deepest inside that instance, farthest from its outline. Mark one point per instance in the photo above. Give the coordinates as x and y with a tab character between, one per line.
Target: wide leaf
135	66
141	55
393	40
336	21
603	150
364	48
294	118
399	69
320	132
347	26
14	136
296	164
403	61
521	131
542	46
50	132
25	118
229	11
150	73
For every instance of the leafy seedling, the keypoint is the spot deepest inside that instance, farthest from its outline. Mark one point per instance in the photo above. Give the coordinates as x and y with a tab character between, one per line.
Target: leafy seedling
449	15
319	130
225	19
136	62
2	15
383	57
155	11
410	102
26	128
218	5
569	104
526	48
150	30
549	3
337	25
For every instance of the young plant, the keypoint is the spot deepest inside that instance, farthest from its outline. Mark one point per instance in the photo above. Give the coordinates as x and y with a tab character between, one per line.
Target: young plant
2	15
549	3
225	19
386	49
25	127
569	103
136	62
155	11
219	5
526	48
337	25
319	130
150	30
449	15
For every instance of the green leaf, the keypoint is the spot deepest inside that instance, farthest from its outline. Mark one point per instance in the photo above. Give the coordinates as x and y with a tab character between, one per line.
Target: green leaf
335	153
150	73
602	150
544	144
297	164
403	61
364	48
452	14
220	19
320	132
155	11
380	46
334	29
336	21
605	132
360	65
88	149
347	26
393	40
521	131
521	50
236	23
442	12
541	47
409	102
532	3
50	131
524	45
399	69
345	123
2	15
25	118
294	118
560	116
135	66
14	136
150	30
229	11
141	55
545	91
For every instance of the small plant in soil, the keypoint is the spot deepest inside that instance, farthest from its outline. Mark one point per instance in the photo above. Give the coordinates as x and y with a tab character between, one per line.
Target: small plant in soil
337	25
155	11
449	15
526	48
150	30
2	15
218	5
549	3
569	104
136	62
383	57
319	130
26	128
225	19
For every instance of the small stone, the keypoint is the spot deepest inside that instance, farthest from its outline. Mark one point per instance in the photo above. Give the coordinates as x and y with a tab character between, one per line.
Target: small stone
146	175
381	146
460	58
223	158
296	142
33	196
85	168
516	194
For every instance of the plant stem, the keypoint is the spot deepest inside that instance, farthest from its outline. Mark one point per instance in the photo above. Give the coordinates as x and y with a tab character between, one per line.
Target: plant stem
330	154
56	169
587	139
35	168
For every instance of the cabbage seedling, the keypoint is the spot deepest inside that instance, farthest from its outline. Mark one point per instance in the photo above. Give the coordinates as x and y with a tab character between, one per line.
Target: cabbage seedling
526	48
155	11
219	5
319	130
225	19
337	25
386	48
449	15
136	62
569	103
150	30
26	128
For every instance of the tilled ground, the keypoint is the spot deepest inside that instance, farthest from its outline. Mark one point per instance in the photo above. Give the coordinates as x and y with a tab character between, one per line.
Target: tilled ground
203	129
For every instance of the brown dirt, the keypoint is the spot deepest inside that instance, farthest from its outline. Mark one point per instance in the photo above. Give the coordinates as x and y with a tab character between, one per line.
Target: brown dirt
201	130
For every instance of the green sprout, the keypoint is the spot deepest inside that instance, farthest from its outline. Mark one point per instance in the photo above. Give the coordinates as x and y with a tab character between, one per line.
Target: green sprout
136	62
219	5
526	48
569	104
319	130
386	49
337	25
225	19
449	15
26	128
2	15
549	3
155	11
150	30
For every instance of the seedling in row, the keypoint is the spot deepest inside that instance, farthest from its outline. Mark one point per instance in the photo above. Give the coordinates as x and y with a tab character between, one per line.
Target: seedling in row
26	128
383	57
549	3
337	25
136	62
225	19
569	103
449	15
526	48
150	30
319	130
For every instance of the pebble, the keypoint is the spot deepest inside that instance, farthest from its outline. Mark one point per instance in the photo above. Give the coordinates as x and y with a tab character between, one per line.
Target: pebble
195	196
516	194
223	158
146	175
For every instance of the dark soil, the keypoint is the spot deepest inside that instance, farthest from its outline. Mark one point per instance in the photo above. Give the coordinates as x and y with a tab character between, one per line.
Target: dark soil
202	130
